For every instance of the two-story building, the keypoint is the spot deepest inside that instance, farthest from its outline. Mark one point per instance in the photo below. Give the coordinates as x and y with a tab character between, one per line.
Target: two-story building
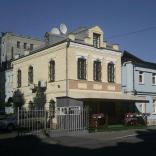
81	70
139	79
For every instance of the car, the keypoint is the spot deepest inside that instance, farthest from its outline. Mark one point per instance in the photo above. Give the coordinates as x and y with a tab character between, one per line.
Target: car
134	119
8	122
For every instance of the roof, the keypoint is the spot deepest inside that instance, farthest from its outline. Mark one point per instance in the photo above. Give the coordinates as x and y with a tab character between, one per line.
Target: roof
137	61
23	36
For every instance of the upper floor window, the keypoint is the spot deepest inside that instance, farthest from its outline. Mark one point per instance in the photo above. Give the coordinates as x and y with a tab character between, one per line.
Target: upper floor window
96	40
30	75
97	70
154	78
81	68
19	78
111	72
18	44
52	70
141	77
31	46
25	45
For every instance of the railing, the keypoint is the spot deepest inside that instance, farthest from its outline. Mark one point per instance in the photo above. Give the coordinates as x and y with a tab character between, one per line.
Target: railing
52	123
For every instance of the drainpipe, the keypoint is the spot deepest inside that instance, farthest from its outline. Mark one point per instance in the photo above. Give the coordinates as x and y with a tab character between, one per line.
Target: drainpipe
67	46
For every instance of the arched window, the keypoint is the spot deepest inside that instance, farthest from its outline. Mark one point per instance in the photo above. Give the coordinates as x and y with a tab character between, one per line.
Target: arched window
111	72
97	70
81	68
30	75
52	71
19	78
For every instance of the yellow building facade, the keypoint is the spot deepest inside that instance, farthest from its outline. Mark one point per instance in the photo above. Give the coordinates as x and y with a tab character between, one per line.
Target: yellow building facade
68	89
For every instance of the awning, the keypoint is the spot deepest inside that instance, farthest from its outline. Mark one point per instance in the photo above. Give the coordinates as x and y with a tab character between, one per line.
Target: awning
105	96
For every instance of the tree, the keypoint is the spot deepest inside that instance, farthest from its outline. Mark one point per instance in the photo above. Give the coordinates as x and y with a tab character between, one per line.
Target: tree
40	99
18	99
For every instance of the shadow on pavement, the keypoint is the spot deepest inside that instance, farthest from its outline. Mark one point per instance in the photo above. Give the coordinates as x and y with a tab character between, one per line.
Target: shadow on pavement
31	145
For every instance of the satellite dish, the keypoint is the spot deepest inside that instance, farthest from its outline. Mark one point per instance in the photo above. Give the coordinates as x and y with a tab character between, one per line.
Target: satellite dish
63	28
55	31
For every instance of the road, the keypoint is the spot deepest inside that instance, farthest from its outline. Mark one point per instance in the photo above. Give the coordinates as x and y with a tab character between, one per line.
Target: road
111	143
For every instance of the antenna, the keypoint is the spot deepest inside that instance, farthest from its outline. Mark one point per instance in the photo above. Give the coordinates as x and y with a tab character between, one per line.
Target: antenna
55	31
63	28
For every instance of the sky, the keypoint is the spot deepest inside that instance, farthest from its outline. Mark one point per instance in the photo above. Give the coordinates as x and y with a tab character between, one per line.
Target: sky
119	19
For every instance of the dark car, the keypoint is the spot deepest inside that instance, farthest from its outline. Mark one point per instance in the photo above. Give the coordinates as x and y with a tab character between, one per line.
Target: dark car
8	122
134	119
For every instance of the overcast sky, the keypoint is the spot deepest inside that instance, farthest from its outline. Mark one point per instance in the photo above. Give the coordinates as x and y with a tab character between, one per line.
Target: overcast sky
118	18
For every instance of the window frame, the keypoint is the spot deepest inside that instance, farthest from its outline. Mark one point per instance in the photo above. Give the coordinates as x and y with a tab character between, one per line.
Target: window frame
96	40
18	44
97	70
52	66
30	75
19	78
81	68
111	72
154	76
141	73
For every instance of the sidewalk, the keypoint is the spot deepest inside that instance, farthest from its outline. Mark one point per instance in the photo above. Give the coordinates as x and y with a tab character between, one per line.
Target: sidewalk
100	139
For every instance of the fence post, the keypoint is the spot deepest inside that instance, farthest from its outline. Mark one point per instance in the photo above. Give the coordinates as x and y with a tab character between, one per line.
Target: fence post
18	120
45	120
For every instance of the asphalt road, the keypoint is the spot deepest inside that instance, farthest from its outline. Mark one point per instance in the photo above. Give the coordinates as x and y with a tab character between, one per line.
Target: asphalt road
120	143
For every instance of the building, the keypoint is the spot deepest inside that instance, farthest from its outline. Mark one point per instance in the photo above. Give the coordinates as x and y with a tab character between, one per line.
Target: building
6	81
81	70
139	79
12	44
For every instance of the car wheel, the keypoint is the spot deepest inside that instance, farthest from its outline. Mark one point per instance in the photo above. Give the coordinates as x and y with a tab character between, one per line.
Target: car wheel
10	127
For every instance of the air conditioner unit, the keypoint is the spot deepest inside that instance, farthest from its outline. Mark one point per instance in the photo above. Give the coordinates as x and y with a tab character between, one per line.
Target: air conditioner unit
42	84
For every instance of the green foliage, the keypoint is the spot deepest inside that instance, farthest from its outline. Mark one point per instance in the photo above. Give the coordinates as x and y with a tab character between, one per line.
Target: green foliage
39	99
18	99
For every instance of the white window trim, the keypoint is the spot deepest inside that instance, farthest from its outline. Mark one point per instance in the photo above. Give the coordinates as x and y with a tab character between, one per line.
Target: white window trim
154	77
141	83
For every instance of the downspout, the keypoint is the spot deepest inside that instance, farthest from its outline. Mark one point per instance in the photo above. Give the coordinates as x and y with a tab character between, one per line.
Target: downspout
67	46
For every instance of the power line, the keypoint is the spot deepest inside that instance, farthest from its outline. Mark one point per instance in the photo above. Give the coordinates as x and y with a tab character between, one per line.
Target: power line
131	33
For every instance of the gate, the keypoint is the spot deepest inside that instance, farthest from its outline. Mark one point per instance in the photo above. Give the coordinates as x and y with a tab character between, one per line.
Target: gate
48	122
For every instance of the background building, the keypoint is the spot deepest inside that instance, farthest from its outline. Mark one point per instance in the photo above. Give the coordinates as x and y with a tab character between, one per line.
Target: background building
11	46
139	79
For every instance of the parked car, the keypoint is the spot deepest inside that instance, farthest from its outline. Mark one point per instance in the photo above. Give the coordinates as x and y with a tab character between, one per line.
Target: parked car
8	122
134	119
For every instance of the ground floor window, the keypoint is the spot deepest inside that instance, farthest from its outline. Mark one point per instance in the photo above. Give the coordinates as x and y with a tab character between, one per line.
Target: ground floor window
142	108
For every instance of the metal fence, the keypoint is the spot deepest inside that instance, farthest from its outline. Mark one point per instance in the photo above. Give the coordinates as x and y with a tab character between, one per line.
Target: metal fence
53	123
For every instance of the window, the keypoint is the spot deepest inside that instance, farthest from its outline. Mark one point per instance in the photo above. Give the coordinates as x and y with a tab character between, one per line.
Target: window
111	72
96	40
52	71
154	106
81	68
25	45
97	70
19	78
18	44
31	46
154	78
30	75
143	107
141	77
12	52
